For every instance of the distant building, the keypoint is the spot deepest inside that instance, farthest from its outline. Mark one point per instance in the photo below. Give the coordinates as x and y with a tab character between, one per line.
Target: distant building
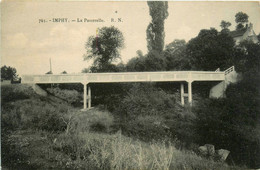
246	33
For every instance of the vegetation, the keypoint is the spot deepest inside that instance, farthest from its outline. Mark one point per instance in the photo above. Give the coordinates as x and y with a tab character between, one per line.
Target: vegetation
104	48
8	73
53	135
224	26
241	20
155	30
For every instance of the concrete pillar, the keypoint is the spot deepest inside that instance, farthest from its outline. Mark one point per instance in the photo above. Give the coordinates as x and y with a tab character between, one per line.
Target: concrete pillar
89	97
85	96
182	94
190	93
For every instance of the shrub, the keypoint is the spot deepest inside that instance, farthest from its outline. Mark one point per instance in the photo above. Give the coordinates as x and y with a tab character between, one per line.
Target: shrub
146	128
145	99
34	114
11	93
92	120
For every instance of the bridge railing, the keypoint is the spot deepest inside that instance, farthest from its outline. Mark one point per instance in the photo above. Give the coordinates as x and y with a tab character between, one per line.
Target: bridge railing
229	70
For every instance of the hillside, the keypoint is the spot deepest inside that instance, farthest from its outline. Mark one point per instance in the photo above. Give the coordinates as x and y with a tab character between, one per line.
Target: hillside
47	133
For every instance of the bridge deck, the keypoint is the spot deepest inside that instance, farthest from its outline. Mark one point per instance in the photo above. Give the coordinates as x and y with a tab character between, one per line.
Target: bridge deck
188	76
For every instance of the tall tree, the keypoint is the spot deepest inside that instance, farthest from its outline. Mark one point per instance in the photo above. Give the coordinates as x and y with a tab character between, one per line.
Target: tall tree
155	30
241	20
8	73
104	48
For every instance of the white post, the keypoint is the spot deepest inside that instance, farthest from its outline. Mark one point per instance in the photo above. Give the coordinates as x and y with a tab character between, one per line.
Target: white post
190	93
182	94
89	97
85	96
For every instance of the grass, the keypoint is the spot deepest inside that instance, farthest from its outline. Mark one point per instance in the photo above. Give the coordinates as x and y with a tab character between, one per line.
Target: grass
118	152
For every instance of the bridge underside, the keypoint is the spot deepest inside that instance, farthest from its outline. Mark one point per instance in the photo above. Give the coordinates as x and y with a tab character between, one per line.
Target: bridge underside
85	79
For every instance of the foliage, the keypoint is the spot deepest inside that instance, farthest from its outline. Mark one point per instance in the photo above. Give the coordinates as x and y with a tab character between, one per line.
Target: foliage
155	62
241	19
227	124
224	25
71	96
104	48
52	135
247	58
136	64
8	73
31	111
13	92
96	120
176	56
145	99
211	50
155	30
146	128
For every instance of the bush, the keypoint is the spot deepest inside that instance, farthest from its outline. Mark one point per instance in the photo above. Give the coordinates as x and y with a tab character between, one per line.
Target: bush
147	128
145	99
11	93
36	112
92	120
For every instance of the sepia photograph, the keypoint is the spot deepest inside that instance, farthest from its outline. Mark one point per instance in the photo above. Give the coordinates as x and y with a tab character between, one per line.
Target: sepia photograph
130	85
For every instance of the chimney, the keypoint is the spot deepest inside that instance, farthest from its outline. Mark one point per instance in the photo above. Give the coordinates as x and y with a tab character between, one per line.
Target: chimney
251	25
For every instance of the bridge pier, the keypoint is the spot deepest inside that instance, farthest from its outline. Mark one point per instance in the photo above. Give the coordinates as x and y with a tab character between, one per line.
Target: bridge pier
86	96
89	97
189	94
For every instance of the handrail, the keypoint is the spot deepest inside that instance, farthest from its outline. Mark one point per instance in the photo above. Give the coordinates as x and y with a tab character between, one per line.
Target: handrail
229	70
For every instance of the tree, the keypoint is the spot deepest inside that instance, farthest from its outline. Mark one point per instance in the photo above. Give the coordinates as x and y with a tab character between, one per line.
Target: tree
241	20
104	48
137	63
155	62
176	56
211	50
155	30
8	73
224	25
248	58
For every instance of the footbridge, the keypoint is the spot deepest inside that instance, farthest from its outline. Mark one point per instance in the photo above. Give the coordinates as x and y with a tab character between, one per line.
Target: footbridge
166	76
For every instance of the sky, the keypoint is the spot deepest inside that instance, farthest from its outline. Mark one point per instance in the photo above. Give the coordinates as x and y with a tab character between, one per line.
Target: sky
28	45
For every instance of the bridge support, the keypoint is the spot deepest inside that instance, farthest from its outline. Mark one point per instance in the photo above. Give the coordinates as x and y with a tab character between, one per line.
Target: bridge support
189	94
182	94
89	97
86	96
